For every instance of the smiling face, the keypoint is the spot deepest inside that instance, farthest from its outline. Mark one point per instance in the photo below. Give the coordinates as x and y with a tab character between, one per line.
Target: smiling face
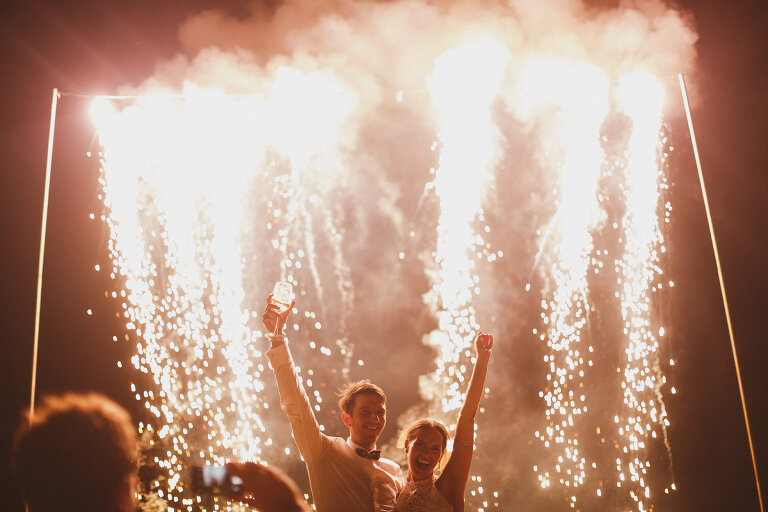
366	420
425	448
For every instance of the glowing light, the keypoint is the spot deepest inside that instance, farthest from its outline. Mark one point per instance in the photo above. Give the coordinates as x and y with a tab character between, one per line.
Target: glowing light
641	97
463	86
177	195
101	111
184	201
580	93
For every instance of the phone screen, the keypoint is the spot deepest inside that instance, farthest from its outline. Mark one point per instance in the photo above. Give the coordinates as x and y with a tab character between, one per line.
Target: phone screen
215	480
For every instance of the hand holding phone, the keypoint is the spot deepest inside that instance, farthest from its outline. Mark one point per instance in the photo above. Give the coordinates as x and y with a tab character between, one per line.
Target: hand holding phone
215	480
266	488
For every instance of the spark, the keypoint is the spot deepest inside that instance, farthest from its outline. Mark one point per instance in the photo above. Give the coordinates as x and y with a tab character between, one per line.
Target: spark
568	253
463	86
580	93
174	240
310	112
190	208
177	195
641	97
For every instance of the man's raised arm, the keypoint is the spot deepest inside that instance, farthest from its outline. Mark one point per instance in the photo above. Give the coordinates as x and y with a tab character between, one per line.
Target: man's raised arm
293	398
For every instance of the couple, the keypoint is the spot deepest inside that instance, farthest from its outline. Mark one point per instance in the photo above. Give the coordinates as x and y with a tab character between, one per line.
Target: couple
349	475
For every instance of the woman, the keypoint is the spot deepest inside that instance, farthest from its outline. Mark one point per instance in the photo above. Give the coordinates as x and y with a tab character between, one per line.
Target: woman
425	445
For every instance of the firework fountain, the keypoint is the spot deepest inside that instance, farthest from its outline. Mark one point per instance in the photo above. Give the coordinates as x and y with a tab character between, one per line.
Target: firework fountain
568	243
212	196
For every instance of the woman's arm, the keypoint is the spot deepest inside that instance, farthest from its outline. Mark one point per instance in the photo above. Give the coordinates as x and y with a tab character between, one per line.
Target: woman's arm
453	481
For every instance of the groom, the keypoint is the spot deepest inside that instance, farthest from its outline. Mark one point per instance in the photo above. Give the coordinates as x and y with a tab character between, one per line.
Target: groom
344	475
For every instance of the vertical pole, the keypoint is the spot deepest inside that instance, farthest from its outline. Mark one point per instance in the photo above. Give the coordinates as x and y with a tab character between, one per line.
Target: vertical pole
46	195
722	285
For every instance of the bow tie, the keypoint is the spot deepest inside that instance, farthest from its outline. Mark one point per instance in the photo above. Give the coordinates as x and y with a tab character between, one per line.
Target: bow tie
373	454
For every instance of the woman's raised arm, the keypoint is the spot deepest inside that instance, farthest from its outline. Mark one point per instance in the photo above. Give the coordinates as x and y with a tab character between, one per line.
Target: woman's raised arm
453	481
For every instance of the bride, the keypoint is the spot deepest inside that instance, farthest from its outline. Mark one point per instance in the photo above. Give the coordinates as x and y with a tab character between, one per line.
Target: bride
425	444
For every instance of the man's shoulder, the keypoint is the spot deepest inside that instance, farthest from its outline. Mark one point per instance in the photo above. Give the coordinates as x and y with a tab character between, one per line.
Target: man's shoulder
339	443
334	450
390	466
336	439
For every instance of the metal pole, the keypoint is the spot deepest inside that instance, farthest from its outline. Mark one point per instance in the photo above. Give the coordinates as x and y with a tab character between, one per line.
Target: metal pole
46	195
722	285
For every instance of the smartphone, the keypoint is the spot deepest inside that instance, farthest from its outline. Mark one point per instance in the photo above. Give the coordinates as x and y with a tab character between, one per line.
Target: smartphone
215	480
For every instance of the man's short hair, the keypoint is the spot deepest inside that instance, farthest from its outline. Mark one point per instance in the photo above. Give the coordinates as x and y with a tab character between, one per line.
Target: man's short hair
350	391
75	454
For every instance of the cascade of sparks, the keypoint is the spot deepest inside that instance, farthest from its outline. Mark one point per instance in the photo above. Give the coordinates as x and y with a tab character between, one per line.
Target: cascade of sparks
177	196
641	97
582	105
569	254
303	139
174	230
464	84
185	203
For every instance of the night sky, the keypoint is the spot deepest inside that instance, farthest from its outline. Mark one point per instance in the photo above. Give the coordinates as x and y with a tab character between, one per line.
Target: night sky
96	47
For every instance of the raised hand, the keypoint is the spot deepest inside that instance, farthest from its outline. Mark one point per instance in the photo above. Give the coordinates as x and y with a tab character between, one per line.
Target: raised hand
274	317
483	344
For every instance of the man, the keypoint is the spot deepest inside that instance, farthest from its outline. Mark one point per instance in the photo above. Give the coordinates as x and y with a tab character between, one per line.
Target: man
79	453
344	475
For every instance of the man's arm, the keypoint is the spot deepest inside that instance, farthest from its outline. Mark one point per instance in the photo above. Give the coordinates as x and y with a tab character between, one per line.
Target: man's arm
293	398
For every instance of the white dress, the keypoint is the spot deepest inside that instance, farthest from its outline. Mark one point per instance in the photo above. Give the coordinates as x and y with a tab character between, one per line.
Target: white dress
421	496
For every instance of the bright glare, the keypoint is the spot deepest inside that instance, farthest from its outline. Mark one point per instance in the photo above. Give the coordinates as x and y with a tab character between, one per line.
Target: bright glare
185	177
179	177
641	96
463	86
579	94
